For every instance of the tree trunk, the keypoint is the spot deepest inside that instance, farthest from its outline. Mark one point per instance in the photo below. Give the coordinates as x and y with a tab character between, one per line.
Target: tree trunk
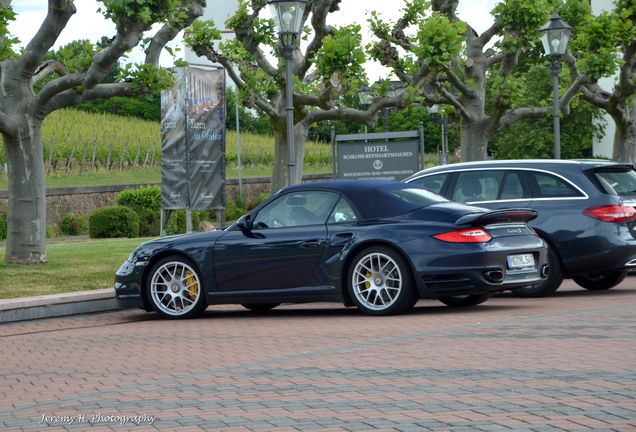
474	140
26	238
625	135
279	174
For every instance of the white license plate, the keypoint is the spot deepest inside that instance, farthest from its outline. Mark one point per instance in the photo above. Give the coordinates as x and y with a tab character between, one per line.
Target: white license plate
520	261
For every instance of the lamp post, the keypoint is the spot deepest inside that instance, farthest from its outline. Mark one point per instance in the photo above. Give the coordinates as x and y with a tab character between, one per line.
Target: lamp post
288	19
555	35
442	119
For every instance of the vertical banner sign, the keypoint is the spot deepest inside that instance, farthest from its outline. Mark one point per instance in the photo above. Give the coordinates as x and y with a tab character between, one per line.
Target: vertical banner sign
173	144
193	140
206	137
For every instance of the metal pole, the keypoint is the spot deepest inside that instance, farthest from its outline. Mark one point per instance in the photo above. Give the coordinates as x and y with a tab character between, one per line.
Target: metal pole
556	115
238	148
289	107
333	151
422	161
445	140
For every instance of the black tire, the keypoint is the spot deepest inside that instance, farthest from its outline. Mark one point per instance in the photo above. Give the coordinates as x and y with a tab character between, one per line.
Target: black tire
386	287
600	281
550	284
260	307
174	288
464	300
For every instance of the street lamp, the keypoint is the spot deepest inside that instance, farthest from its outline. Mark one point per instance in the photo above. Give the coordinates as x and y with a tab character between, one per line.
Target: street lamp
288	19
441	118
555	35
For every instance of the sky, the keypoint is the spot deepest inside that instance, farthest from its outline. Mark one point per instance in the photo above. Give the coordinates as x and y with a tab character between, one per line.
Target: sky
87	23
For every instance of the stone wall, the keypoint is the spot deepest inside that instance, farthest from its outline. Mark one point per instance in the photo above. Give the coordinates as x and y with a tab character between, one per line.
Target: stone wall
83	200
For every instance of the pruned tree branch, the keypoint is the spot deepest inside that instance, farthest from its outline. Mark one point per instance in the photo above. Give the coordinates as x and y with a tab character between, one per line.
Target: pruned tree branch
245	34
59	12
169	31
518	114
48	67
320	9
458	83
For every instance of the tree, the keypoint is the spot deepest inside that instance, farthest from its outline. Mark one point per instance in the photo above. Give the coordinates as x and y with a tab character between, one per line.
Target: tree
602	47
433	51
23	105
329	69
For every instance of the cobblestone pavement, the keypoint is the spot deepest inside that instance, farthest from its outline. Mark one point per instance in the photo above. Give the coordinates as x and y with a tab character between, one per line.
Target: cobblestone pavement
565	363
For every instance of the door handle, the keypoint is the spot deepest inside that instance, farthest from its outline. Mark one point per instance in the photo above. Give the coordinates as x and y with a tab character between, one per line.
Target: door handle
312	243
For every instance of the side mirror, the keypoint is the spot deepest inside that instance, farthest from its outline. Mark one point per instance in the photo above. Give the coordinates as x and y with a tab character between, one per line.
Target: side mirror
244	223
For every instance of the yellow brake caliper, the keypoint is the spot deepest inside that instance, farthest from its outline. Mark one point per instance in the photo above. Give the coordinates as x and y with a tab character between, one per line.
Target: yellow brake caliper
367	284
193	286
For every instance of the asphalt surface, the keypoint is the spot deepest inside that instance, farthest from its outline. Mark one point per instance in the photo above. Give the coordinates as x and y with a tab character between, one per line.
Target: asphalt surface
565	363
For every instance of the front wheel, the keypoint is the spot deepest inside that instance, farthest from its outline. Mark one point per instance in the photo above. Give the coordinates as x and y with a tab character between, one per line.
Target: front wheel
600	281
464	300
380	282
174	288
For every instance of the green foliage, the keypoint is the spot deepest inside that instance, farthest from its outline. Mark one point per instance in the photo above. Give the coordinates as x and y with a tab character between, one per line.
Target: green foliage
7	40
145	107
341	53
147	76
148	197
439	40
598	40
71	224
146	11
146	202
177	221
76	56
112	222
201	35
521	20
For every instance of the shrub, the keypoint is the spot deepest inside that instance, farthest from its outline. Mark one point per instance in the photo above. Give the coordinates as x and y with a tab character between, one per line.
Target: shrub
116	221
73	225
177	221
148	197
146	201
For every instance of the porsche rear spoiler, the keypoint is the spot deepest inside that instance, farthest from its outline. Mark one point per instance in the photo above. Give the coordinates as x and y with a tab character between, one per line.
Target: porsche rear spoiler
519	215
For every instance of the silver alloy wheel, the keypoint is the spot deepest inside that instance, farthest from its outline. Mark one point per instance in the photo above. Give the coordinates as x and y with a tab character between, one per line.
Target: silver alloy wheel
376	281
175	288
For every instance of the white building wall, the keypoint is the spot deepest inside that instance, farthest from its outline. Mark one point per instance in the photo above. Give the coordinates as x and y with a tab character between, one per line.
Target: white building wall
604	147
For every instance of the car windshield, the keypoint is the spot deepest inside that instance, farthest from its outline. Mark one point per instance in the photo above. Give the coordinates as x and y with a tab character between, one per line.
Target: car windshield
623	182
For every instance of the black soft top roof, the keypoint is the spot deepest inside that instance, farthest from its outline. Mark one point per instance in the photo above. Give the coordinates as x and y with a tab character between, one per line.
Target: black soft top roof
374	199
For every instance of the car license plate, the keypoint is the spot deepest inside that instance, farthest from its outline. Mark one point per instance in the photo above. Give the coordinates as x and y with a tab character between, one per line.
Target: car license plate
520	261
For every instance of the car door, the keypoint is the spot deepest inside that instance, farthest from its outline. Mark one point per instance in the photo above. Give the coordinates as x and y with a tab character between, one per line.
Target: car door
491	188
283	249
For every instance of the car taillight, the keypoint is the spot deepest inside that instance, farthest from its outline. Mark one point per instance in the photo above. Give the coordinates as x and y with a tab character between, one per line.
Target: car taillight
466	235
611	213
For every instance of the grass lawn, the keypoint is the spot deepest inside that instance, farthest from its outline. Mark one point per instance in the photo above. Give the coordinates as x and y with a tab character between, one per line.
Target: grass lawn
75	265
147	175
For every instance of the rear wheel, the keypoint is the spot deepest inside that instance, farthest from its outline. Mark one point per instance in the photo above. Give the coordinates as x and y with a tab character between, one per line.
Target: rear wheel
174	288
464	300
260	307
550	284
380	282
600	281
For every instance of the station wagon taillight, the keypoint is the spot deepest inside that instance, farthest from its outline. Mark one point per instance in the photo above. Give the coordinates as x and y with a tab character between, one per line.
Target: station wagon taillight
466	235
611	213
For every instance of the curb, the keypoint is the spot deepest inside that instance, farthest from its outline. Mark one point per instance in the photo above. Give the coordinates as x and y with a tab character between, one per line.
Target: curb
56	305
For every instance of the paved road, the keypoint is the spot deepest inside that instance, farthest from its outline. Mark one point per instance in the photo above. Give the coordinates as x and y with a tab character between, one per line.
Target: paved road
564	363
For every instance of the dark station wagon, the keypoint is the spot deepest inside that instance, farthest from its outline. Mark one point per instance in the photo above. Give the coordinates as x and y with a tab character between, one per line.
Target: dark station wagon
585	207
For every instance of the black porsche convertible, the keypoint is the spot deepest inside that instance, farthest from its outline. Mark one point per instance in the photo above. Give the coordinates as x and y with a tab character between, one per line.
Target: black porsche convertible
377	245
